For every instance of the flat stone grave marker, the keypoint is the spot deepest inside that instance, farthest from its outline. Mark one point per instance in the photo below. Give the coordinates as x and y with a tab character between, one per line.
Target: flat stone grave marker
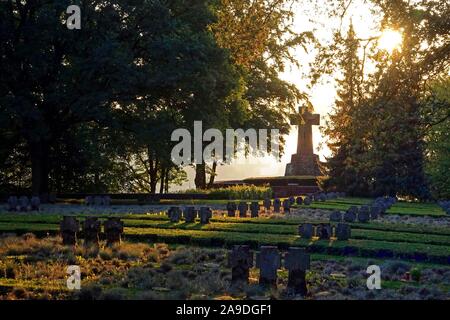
364	214
98	200
106	200
69	227
353	209
276	205
331	195
343	231
307	201
268	260
35	203
240	260
306	230
174	214
189	214
24	203
292	200
254	209
113	228
243	207
91	229
375	212
323	231
267	204
13	203
349	217
336	216
286	206
89	200
205	215
297	261
231	209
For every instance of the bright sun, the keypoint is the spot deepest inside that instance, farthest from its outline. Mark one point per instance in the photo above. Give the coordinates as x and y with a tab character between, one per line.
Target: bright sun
390	40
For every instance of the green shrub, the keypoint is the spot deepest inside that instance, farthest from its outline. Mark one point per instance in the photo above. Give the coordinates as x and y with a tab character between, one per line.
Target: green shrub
247	192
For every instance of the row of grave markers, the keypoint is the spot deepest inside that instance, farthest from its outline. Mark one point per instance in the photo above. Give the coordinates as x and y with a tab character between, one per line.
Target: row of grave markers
23	203
364	213
243	207
325	231
97	201
91	228
189	214
269	260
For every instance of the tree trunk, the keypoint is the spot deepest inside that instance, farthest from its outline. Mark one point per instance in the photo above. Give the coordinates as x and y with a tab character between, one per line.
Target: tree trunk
212	175
162	185
166	185
153	174
39	167
200	176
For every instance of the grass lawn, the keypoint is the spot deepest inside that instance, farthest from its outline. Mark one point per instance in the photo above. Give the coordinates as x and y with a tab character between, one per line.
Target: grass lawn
375	239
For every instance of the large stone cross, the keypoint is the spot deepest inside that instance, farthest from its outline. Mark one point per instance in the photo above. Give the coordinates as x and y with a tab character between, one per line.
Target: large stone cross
305	120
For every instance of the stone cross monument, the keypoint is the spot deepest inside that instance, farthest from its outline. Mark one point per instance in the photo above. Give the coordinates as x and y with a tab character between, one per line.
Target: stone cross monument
304	162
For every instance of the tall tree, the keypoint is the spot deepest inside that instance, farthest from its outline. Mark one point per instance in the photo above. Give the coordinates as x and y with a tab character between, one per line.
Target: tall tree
342	126
389	123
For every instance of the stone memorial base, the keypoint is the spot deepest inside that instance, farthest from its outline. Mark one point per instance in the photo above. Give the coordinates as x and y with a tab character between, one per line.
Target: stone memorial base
303	165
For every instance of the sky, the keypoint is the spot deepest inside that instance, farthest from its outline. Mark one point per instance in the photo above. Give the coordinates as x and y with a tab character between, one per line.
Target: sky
322	95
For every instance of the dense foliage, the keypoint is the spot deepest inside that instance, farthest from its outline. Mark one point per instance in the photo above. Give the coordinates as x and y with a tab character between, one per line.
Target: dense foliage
93	109
389	125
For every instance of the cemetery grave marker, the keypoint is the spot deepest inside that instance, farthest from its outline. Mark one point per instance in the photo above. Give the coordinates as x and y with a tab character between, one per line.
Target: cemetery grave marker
307	201
336	216
254	209
268	260
231	209
13	203
349	216
364	214
91	229
292	200
323	231
375	211
35	203
113	228
189	214
297	261
106	200
306	230
69	227
205	215
24	204
240	260
243	207
343	231
89	200
174	214
98	201
276	205
286	206
267	204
